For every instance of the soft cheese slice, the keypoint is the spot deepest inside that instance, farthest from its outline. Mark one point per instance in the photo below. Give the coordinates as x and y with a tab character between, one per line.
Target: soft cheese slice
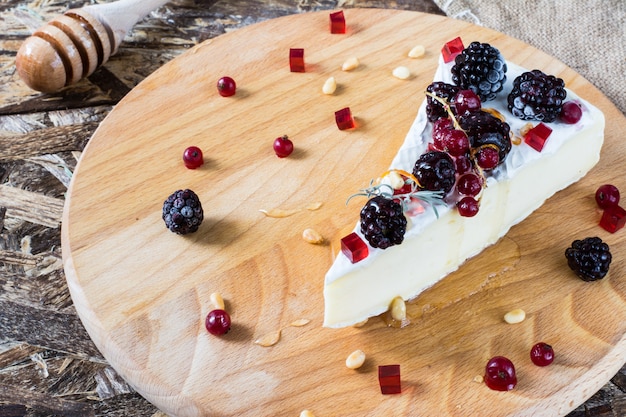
439	245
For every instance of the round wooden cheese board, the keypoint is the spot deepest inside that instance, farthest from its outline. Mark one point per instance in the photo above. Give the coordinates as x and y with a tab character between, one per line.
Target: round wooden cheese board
143	292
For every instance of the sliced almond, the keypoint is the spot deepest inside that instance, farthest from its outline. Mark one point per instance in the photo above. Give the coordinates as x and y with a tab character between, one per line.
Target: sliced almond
269	339
312	236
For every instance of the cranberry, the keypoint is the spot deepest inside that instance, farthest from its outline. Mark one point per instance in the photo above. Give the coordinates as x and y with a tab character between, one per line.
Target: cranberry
226	86
542	354
217	322
467	206
487	157
192	157
571	112
283	146
500	374
607	195
466	101
469	184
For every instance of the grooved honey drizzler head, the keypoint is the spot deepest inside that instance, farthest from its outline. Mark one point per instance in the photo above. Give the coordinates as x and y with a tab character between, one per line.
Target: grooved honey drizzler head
63	51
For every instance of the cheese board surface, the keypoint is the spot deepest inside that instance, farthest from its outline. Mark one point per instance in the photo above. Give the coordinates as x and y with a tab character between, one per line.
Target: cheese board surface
143	292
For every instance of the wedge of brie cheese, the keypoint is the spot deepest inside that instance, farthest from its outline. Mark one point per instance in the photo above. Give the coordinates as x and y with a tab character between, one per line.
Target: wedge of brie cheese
435	246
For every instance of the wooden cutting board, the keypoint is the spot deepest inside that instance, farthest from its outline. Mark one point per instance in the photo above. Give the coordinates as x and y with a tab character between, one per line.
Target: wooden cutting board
143	292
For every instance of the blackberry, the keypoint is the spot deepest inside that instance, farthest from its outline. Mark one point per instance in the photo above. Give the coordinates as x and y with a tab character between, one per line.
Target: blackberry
382	222
480	68
484	129
537	96
589	258
434	109
435	171
182	212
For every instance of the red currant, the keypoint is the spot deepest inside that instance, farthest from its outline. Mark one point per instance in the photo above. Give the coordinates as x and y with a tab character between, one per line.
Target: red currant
487	157
571	112
500	374
283	146
217	322
192	157
607	195
467	206
465	101
542	354
469	184
226	86
462	164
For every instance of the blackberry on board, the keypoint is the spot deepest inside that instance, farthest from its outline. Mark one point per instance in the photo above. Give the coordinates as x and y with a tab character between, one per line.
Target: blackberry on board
480	68
434	109
383	223
435	171
537	96
589	258
182	212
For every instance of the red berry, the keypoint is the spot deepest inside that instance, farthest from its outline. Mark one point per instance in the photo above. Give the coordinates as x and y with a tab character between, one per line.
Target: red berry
487	157
226	86
465	101
542	354
462	164
469	184
467	206
192	157
283	146
217	322
500	374
607	195
571	112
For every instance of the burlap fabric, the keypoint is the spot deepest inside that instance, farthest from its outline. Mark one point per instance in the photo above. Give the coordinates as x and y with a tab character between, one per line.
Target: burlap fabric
589	36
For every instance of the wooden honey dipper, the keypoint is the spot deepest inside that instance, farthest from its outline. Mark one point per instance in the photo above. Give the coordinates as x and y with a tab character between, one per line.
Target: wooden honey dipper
73	45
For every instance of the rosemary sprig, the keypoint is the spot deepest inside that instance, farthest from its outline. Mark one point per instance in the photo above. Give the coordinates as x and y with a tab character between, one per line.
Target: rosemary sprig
431	198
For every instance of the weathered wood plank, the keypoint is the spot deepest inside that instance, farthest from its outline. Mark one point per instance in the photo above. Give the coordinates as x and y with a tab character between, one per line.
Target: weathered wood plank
30	206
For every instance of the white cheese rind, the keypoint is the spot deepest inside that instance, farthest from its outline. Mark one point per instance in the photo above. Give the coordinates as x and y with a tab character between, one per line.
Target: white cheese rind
355	292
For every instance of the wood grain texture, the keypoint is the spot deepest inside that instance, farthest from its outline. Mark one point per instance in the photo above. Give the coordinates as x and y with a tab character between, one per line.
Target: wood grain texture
142	293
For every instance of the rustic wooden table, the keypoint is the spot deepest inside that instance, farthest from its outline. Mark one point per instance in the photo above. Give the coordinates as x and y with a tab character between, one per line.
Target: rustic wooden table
48	364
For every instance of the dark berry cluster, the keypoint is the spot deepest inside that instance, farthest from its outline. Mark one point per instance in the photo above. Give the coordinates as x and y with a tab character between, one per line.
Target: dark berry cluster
434	109
480	68
435	171
589	258
182	212
484	129
383	222
537	96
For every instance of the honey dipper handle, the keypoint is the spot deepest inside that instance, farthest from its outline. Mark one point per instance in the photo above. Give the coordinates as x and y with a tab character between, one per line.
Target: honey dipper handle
120	16
73	45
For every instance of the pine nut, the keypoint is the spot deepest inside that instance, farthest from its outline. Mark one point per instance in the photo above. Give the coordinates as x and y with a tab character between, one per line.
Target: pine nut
217	300
312	236
307	413
418	51
395	180
355	359
401	73
329	86
515	316
398	309
350	64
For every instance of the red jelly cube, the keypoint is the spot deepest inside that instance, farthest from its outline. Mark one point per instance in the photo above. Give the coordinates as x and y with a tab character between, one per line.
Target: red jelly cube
451	49
354	248
389	379
344	119
296	59
537	136
337	22
613	218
